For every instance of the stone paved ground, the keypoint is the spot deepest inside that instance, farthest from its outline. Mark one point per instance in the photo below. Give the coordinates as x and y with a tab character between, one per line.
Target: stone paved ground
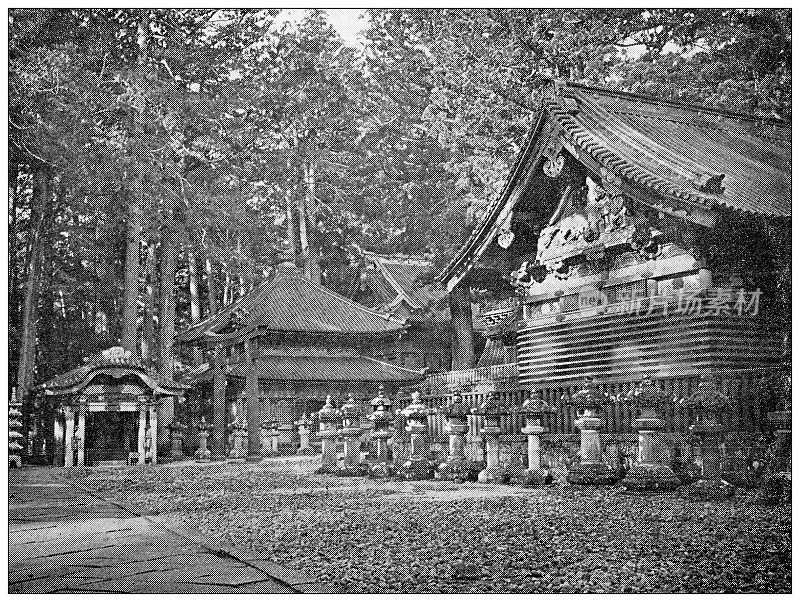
373	536
62	539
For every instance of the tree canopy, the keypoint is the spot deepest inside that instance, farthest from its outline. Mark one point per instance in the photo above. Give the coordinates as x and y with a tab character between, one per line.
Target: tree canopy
221	142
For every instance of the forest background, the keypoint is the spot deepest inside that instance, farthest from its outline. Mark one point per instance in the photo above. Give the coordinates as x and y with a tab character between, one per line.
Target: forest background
163	162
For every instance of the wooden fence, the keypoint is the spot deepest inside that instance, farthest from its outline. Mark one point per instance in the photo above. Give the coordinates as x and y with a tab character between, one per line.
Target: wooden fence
747	412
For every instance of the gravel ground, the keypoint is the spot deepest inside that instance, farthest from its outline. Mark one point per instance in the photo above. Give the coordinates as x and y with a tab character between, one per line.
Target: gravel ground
440	537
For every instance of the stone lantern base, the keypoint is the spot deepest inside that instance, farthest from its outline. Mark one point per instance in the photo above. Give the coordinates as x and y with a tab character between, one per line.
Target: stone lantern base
710	489
591	473
357	470
650	477
494	474
417	469
536	478
202	455
458	470
236	457
381	470
306	451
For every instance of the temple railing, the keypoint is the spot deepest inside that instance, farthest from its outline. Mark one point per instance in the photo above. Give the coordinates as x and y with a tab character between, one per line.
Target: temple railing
747	414
446	381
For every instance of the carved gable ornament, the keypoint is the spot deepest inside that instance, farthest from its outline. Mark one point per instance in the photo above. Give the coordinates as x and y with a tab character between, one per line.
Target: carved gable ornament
587	217
116	354
589	220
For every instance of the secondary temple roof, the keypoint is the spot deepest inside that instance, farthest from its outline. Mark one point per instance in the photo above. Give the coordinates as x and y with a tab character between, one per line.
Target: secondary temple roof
400	281
113	362
682	157
329	367
291	303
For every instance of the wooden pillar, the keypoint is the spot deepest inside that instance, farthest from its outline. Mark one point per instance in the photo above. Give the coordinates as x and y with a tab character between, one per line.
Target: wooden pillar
142	432
251	387
153	435
82	435
219	434
69	419
166	415
58	439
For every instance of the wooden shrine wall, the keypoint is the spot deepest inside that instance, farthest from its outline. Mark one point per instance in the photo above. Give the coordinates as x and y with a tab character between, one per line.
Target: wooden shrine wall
620	347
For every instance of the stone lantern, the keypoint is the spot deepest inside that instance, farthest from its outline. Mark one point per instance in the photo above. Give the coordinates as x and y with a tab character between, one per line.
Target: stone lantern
304	431
418	467
350	432
590	470
534	408
492	410
238	452
382	419
456	467
264	439
14	436
176	440
652	469
705	405
781	421
203	431
328	424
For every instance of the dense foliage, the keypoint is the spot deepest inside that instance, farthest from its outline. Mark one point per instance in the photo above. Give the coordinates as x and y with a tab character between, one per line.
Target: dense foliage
369	536
222	143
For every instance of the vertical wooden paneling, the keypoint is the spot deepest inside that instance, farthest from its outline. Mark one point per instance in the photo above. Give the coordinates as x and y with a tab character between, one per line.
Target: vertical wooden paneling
619	415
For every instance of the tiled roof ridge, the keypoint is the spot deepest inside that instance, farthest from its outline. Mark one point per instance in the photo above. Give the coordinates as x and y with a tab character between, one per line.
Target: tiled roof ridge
399	258
331	293
325	356
615	162
710	126
672	102
79	373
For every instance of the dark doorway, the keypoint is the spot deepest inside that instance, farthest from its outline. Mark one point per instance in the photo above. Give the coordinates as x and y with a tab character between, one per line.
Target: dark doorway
110	436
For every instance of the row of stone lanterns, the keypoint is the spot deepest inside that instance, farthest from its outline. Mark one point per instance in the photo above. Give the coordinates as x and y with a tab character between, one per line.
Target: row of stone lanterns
240	439
456	467
651	470
14	436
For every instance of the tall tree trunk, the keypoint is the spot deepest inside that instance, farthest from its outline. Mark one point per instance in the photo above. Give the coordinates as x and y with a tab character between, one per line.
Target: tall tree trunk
13	270
41	214
166	329
194	303
133	234
302	222
307	217
212	286
240	266
130	301
291	226
227	296
166	314
48	359
461	320
311	207
41	208
148	328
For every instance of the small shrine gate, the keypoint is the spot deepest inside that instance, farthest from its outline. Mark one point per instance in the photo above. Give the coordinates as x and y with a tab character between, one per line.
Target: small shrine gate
104	412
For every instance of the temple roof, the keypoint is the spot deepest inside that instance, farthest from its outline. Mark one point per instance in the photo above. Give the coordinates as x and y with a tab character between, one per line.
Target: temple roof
340	367
401	276
396	285
674	155
291	303
115	363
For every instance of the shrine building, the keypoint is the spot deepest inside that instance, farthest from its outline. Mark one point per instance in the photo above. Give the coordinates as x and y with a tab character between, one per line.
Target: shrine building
107	411
277	352
395	284
638	236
